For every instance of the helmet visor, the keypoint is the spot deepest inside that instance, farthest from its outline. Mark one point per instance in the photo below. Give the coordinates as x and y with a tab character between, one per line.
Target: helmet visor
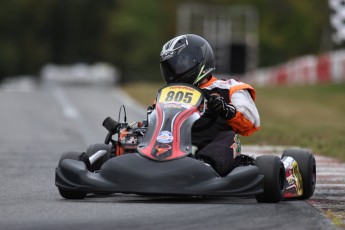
185	60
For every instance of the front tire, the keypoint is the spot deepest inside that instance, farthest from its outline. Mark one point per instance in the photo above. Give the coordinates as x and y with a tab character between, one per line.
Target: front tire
272	168
71	195
307	167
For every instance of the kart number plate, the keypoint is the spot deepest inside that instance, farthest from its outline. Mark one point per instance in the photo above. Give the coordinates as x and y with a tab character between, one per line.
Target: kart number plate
179	94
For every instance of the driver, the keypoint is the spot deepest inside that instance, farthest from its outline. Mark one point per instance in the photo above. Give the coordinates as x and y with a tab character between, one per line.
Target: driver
189	59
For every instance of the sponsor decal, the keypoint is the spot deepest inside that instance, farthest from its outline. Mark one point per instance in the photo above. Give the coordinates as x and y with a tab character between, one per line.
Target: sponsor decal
182	87
167	55
165	137
162	148
236	146
294	186
173	105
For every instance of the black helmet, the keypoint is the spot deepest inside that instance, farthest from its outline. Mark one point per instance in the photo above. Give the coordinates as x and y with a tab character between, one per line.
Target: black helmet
186	58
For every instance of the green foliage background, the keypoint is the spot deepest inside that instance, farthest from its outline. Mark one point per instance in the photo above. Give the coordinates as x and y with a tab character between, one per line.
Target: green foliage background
130	33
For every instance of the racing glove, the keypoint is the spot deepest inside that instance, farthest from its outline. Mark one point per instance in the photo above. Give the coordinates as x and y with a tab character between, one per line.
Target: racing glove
218	104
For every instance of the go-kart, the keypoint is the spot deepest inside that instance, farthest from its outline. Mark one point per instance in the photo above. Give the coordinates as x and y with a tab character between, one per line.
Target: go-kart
156	157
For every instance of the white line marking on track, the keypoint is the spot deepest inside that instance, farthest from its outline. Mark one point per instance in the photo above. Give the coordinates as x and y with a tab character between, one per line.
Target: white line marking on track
330	173
330	185
71	112
68	109
340	180
128	101
329	169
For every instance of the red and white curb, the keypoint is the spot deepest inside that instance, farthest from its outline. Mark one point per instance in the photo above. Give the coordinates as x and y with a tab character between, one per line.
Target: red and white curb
330	187
329	194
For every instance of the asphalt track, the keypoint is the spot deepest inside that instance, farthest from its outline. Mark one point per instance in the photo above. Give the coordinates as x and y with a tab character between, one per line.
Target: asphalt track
39	123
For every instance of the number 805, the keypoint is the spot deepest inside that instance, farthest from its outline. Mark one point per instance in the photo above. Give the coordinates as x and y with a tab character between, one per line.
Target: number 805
179	96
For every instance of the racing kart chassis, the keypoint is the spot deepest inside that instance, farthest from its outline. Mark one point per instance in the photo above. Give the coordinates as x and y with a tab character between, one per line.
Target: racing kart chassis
156	157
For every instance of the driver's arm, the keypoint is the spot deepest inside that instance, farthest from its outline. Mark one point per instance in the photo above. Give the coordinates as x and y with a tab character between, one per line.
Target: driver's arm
247	119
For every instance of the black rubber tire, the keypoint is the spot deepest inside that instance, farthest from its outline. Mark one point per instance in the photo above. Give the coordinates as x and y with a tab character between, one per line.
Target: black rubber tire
92	149
307	168
69	194
272	168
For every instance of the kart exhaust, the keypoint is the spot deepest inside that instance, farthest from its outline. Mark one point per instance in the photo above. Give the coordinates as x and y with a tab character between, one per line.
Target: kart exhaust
97	156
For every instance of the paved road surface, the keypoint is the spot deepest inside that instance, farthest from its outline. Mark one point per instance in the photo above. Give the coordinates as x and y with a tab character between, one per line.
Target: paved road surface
38	124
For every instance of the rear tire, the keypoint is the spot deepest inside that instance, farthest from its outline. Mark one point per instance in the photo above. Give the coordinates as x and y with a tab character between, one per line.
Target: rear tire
307	168
92	149
69	194
272	168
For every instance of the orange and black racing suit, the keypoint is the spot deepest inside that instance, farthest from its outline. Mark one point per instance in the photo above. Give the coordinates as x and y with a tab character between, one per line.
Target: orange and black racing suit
219	145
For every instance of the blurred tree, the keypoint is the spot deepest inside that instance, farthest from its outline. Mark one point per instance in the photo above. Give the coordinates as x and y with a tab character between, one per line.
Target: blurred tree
130	33
23	48
287	28
290	28
77	30
138	29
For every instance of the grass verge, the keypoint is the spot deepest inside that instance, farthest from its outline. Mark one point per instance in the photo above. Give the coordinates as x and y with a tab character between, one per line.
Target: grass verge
306	116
